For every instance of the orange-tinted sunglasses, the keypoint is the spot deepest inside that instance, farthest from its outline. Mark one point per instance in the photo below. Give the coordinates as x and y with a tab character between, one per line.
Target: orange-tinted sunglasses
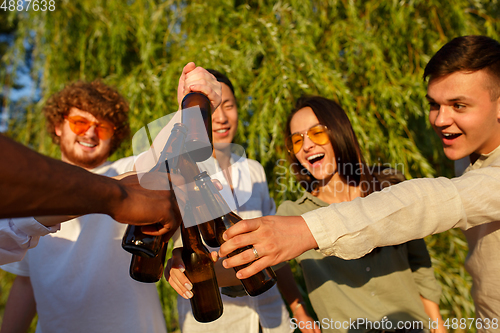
318	134
80	125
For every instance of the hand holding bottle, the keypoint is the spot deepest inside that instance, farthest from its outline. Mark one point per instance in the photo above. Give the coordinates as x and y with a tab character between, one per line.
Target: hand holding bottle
174	274
206	302
198	79
275	238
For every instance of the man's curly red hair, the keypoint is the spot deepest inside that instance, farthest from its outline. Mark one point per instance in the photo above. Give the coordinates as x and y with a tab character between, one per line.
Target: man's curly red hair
100	100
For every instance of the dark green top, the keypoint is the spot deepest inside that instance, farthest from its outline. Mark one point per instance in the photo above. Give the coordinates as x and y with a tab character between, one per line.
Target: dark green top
386	283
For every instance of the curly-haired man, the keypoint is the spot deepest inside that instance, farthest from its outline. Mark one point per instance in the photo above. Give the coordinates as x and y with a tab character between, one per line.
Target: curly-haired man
75	109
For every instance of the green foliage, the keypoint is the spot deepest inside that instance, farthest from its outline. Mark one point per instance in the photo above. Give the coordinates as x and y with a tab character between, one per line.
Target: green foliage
368	55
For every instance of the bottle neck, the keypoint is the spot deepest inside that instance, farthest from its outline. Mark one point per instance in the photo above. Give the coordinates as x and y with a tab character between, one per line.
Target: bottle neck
172	149
212	198
188	168
190	236
199	137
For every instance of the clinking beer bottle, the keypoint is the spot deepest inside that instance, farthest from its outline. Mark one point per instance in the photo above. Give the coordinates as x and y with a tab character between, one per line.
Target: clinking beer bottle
206	302
185	166
198	145
144	246
225	218
185	136
148	270
139	244
134	241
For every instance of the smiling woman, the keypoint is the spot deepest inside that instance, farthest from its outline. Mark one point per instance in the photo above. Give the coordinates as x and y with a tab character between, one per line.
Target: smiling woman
329	152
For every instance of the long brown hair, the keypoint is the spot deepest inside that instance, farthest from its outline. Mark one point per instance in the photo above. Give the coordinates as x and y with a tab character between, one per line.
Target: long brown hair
350	163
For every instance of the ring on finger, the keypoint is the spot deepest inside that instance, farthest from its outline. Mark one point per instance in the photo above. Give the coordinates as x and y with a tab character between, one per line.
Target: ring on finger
255	253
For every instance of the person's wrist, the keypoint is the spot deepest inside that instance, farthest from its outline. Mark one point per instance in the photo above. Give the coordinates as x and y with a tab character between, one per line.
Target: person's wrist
116	196
297	307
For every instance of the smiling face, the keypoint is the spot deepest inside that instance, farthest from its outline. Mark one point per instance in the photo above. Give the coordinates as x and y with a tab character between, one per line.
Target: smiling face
225	119
464	115
86	150
319	160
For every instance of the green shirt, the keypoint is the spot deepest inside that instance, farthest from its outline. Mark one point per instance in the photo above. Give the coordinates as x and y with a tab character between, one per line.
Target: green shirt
385	284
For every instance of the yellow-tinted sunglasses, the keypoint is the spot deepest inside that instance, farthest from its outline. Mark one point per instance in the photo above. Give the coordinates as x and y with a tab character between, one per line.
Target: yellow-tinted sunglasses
318	134
80	125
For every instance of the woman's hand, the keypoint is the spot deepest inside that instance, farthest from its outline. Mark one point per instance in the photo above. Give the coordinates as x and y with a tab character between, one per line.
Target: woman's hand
174	273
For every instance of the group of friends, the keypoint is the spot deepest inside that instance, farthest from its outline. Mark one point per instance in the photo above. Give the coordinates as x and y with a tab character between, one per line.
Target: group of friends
356	231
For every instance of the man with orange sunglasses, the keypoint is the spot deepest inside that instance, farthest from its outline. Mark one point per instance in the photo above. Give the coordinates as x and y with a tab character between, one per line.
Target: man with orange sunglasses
85	286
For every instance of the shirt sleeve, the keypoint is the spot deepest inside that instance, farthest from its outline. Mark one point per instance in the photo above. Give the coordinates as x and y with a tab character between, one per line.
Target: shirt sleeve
21	268
422	271
410	210
19	235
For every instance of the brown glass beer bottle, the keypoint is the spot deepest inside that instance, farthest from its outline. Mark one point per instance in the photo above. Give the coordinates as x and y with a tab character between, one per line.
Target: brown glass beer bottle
148	270
217	206
206	302
198	145
185	166
139	244
134	241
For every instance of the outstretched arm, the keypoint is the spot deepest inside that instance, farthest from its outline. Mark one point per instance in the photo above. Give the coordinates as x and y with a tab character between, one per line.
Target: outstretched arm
32	184
349	230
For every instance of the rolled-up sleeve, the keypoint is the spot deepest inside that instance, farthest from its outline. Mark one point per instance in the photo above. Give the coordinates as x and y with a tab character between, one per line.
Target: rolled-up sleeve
19	235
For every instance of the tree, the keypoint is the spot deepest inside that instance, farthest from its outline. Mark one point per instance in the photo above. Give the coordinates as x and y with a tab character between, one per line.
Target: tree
368	55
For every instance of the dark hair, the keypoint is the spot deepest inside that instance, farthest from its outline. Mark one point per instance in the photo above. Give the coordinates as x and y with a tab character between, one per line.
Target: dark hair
470	54
221	78
95	97
350	163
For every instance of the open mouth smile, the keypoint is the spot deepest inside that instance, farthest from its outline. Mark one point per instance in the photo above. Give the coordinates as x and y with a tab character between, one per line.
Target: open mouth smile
451	136
315	158
85	144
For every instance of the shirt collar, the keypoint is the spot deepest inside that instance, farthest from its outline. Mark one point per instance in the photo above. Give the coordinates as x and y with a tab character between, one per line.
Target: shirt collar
309	197
485	160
